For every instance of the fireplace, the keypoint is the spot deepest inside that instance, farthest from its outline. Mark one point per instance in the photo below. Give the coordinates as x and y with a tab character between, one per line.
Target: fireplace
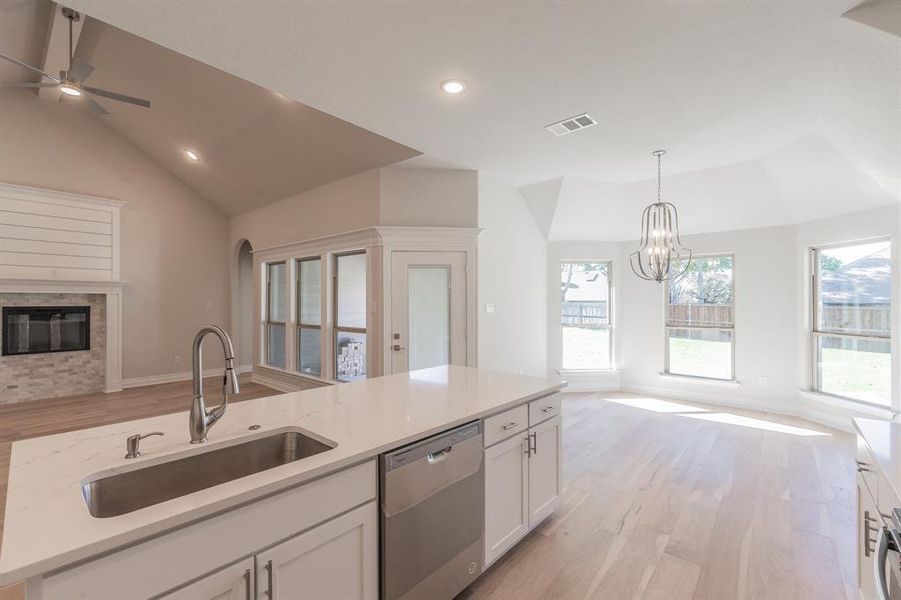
45	329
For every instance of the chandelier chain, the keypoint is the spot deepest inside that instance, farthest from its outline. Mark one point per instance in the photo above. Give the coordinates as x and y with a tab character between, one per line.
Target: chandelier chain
658	178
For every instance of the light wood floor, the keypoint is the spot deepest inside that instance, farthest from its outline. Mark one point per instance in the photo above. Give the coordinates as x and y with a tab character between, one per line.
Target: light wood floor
43	417
669	506
657	505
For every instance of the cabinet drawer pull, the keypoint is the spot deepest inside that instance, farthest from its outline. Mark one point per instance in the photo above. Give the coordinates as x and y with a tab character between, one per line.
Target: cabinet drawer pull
510	426
269	591
247	593
862	467
548	409
534	444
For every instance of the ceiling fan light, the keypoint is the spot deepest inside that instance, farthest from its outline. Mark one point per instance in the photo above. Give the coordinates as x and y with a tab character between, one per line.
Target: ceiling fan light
69	90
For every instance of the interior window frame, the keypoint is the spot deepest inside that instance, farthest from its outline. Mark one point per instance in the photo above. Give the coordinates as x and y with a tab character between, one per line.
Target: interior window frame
611	364
300	325
338	329
268	321
667	327
817	331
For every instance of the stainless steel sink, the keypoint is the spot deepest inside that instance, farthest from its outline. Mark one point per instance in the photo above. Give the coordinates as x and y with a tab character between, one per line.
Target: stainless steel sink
126	492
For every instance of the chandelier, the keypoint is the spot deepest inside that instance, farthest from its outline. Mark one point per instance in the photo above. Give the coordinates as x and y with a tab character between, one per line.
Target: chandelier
660	255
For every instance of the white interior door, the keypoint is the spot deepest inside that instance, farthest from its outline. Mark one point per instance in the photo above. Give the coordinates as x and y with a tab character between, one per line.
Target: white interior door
428	314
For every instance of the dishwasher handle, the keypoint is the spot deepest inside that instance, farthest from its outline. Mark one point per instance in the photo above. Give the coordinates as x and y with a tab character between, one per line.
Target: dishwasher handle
440	455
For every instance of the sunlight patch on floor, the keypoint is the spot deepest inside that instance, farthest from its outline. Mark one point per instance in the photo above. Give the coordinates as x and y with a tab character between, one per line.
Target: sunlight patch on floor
657	405
694	412
754	423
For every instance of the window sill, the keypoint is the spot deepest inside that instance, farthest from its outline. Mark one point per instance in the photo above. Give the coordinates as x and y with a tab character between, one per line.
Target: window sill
727	383
854	406
588	372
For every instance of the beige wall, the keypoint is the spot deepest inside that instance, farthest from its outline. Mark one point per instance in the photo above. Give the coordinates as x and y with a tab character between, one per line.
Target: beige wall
338	207
428	197
513	277
174	244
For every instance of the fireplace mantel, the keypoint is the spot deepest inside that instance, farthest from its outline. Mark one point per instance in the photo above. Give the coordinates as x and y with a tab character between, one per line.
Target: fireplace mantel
112	290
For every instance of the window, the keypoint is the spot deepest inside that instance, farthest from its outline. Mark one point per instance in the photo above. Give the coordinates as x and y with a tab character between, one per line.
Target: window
276	313
700	320
309	316
585	315
852	288
350	316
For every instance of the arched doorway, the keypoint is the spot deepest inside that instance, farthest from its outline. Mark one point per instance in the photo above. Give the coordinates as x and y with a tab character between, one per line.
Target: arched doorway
244	321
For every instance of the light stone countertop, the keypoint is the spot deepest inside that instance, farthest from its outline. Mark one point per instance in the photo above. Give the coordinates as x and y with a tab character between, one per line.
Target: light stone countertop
47	524
883	438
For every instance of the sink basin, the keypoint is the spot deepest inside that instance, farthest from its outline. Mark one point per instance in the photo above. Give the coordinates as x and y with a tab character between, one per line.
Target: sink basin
126	492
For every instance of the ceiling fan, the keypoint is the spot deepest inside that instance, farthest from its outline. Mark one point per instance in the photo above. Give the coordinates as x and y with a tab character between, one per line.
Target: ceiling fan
71	82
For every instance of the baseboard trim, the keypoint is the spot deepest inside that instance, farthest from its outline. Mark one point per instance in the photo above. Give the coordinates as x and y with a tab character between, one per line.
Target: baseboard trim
134	382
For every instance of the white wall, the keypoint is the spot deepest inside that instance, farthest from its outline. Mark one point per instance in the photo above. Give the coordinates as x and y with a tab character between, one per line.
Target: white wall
512	276
772	314
174	244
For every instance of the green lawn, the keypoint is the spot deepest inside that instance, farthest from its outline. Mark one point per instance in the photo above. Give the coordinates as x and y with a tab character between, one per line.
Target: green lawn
700	358
862	375
585	349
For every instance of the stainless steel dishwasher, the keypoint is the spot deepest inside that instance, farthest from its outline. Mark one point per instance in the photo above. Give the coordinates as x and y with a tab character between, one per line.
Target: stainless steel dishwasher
432	516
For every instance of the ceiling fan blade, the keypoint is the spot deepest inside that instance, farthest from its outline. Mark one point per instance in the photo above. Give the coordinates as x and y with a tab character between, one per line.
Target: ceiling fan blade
94	107
80	71
27	85
16	61
115	96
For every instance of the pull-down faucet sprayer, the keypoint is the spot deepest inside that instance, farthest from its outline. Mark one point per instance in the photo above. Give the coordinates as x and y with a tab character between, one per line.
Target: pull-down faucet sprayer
201	419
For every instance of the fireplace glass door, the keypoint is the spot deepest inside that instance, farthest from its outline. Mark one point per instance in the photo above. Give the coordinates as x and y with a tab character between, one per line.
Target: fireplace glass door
40	329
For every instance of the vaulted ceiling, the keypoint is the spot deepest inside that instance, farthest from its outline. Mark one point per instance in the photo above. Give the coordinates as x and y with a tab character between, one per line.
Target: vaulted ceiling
771	112
256	147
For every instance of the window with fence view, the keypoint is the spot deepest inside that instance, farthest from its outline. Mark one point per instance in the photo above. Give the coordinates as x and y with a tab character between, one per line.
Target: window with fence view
700	320
585	315
852	321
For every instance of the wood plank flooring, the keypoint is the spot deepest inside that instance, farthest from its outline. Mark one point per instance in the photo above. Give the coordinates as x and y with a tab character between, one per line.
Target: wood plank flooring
43	417
667	500
662	500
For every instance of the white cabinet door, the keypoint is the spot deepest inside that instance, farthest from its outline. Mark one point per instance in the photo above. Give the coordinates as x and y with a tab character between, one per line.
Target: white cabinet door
506	495
336	560
231	583
867	530
545	470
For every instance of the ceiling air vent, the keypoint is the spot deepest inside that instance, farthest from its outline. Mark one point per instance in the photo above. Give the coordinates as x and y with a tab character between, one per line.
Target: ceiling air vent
571	124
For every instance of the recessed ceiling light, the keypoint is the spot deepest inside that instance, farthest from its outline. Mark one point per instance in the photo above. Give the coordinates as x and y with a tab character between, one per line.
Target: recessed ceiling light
192	155
69	90
453	86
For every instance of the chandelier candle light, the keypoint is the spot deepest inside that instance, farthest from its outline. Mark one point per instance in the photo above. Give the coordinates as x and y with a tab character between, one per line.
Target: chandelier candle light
660	255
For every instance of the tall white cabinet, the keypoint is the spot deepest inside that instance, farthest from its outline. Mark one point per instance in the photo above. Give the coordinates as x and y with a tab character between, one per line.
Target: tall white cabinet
523	472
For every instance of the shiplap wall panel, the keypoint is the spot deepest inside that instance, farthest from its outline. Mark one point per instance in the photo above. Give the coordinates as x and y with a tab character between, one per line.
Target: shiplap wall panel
28	259
54	210
55	235
48	273
41	247
61	223
46	234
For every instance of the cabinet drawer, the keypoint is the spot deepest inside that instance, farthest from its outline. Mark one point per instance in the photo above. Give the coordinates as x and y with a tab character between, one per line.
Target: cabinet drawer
544	409
866	468
886	499
500	427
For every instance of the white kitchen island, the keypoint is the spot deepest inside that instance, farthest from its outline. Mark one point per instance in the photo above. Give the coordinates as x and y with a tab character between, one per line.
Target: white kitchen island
303	529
